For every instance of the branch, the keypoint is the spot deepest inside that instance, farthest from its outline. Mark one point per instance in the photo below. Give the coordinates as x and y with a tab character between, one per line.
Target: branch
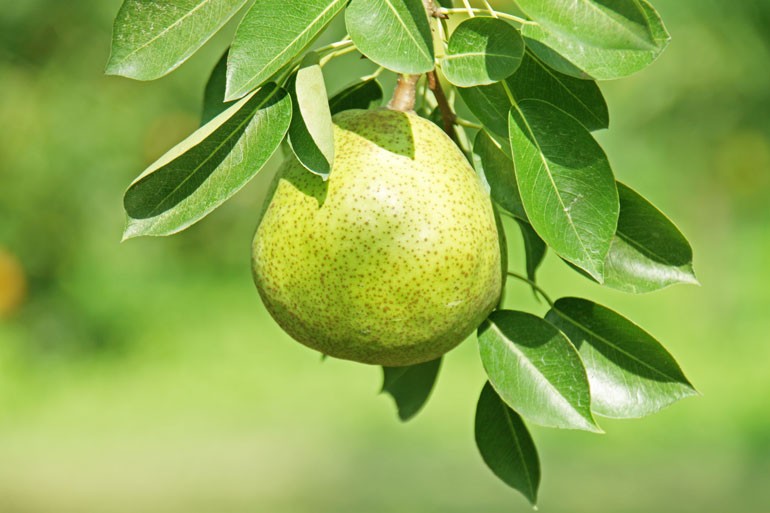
447	115
433	10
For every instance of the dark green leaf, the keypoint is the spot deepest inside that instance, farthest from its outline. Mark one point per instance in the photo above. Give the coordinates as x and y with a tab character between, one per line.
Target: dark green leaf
150	39
631	374
534	248
582	99
606	39
207	168
410	386
566	184
361	95
648	252
536	370
310	133
214	95
393	33
482	51
490	104
496	167
506	445
271	34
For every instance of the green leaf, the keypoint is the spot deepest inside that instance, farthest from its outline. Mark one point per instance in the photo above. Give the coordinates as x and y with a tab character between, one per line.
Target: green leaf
214	95
496	167
534	249
207	168
490	104
310	134
150	39
361	95
536	370
410	386
506	445
271	34
393	33
606	39
582	99
482	51
648	252
566	184
631	374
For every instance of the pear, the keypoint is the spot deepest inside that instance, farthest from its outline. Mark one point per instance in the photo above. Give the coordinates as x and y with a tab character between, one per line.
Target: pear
395	259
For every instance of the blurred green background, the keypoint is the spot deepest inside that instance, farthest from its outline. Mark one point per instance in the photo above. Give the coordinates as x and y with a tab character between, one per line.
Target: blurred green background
146	376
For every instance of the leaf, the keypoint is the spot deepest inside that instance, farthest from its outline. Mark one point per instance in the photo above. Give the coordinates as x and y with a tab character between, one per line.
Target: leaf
482	51
361	95
497	169
505	444
393	33
410	386
151	39
490	104
310	134
606	39
631	374
566	184
207	168
270	35
582	99
534	249
536	370
648	252
214	95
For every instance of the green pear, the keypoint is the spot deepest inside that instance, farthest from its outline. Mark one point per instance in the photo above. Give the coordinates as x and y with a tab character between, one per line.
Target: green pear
395	259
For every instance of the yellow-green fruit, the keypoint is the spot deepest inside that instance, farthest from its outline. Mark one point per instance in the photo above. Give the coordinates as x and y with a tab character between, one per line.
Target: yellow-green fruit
395	259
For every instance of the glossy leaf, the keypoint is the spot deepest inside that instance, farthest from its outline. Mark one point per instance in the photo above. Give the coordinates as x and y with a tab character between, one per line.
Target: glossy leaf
536	370
361	95
207	168
151	39
270	35
214	95
582	99
631	374
410	386
482	51
648	252
566	184
310	134
534	249
506	445
490	104
393	33
605	39
497	169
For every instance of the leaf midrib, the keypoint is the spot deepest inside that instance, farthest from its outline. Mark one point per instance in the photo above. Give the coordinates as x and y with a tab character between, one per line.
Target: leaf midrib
509	422
406	29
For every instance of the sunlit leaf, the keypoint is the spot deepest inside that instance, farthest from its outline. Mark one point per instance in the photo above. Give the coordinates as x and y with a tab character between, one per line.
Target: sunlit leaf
270	35
207	168
536	371
393	33
605	39
566	184
631	374
150	39
482	51
310	133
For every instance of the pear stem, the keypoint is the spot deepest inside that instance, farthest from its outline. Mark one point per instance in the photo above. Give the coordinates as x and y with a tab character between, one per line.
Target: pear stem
404	94
447	114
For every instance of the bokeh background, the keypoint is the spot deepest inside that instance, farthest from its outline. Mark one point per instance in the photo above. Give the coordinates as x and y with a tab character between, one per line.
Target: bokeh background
147	377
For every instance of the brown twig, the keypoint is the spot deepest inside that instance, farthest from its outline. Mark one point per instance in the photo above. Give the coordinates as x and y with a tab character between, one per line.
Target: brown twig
447	115
404	93
434	10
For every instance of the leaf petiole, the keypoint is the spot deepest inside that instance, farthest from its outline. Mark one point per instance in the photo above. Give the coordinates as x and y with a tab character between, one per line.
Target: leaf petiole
534	285
497	14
